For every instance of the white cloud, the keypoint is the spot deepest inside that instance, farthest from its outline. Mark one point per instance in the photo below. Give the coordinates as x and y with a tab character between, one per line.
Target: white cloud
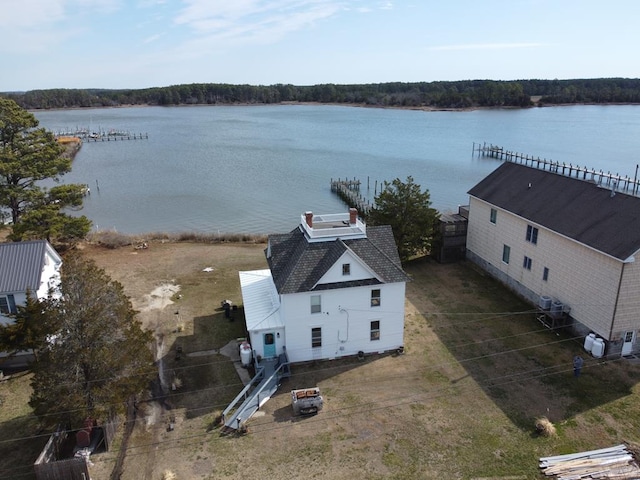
486	46
38	25
37	13
223	18
152	38
31	13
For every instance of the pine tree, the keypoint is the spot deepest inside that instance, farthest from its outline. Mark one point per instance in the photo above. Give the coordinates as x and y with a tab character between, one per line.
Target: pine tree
407	209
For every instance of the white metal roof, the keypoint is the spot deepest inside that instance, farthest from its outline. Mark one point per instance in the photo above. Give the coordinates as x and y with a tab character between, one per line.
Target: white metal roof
260	299
21	265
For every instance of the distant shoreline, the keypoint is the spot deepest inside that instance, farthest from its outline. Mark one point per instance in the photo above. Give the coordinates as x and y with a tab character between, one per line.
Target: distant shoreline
423	108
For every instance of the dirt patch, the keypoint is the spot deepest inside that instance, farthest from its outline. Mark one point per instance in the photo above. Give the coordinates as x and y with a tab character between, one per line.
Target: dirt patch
158	299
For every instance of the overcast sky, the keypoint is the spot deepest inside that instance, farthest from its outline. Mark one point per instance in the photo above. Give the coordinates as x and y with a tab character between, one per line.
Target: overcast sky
155	43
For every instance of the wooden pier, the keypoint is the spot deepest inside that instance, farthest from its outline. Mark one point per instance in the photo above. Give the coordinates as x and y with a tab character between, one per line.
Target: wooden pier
116	138
615	182
349	192
87	134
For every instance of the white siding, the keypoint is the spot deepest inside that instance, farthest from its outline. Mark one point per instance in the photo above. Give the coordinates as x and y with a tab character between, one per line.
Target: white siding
256	339
627	316
358	271
50	277
580	277
345	320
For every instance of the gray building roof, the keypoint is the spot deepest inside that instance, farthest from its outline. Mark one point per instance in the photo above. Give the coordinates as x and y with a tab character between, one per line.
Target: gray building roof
297	265
578	209
21	265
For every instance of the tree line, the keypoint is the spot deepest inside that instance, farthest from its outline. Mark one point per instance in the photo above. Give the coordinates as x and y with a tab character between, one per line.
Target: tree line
458	94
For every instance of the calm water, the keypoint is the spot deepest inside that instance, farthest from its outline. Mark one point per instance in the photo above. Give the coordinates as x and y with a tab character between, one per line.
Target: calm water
255	169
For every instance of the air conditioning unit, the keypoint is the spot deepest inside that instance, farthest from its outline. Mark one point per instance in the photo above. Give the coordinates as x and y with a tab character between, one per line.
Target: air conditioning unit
544	302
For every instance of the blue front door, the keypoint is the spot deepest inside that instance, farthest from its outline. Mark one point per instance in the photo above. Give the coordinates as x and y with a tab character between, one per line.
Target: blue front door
269	345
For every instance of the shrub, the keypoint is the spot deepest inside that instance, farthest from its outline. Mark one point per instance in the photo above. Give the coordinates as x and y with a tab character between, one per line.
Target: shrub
545	428
109	239
114	239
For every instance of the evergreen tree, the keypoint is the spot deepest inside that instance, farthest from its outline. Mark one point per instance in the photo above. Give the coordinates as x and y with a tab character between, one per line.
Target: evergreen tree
99	356
30	328
29	155
405	207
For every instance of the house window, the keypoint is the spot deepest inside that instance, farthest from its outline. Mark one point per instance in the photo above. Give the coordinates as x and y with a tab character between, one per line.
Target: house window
545	274
375	330
375	297
506	253
346	269
527	263
316	305
493	216
7	305
532	234
316	337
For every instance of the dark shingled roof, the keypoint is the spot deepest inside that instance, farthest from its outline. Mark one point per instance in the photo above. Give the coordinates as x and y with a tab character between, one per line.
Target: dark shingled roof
578	209
21	265
297	265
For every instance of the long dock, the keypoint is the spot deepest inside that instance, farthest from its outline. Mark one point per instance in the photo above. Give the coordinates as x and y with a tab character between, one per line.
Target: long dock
101	135
115	138
349	192
615	181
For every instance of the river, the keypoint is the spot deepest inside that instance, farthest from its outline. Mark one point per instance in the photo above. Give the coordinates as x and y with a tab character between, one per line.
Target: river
255	169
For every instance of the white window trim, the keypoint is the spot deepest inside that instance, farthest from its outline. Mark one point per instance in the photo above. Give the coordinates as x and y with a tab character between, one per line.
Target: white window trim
314	306
374	334
313	339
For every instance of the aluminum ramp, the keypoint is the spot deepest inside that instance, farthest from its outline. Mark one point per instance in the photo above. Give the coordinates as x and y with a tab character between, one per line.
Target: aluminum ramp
267	379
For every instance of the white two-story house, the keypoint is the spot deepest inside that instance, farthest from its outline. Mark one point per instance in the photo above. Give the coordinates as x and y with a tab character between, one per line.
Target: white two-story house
334	287
573	238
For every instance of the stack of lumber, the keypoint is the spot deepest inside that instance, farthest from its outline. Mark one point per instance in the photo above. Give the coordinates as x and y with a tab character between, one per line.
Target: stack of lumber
614	463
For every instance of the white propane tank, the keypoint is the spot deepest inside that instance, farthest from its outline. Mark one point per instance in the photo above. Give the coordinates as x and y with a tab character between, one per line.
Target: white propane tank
245	354
597	350
588	342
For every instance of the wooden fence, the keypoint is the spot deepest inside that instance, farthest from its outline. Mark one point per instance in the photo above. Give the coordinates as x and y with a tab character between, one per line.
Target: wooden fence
50	466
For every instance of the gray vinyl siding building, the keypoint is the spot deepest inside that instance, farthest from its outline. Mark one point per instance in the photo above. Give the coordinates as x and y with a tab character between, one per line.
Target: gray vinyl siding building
545	234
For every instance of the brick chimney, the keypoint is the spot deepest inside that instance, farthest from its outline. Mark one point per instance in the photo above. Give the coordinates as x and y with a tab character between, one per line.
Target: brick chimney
309	218
353	216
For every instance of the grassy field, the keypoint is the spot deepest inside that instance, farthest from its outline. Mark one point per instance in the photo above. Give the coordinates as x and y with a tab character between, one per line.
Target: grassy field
478	370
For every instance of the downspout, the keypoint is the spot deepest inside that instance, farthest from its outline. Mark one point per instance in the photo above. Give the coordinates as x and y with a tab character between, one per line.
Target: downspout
344	310
615	306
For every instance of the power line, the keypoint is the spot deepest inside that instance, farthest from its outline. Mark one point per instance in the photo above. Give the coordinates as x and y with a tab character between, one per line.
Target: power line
346	411
337	367
433	394
170	395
